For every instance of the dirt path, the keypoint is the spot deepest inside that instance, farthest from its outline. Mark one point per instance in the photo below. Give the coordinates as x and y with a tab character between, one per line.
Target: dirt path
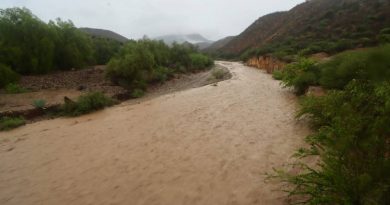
208	145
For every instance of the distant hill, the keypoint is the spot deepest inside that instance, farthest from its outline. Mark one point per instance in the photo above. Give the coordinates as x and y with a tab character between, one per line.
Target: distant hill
218	44
104	34
313	21
195	39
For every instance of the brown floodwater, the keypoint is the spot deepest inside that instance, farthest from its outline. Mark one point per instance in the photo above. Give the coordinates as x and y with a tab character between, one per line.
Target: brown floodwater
207	145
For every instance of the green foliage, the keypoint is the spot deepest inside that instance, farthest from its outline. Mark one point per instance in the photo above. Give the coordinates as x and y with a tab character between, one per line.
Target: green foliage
200	61
384	38
7	76
352	133
385	31
146	61
161	74
105	49
8	123
301	75
132	66
352	141
87	103
30	46
367	64
40	103
26	43
14	89
137	93
218	73
73	48
278	75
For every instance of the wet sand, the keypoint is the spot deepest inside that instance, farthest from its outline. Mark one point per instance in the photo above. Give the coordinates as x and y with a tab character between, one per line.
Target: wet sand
207	145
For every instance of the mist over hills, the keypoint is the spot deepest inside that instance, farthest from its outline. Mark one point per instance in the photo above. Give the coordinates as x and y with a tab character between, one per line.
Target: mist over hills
195	39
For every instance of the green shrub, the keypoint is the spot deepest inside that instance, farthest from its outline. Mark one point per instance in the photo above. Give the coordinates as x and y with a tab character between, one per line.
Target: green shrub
278	75
352	143
146	61
384	38
200	61
8	123
160	74
30	46
87	103
137	93
7	76
132	66
364	64
385	31
40	104
14	89
301	75
218	73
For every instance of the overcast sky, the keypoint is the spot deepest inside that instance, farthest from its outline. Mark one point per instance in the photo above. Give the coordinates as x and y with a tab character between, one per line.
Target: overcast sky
213	19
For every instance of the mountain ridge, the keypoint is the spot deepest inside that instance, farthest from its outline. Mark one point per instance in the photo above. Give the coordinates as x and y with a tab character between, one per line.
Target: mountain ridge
314	20
103	33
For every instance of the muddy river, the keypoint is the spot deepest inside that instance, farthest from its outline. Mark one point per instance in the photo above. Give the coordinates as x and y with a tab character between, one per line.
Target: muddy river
207	145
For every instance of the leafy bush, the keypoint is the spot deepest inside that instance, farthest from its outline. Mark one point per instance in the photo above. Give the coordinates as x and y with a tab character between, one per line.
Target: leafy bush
8	123
161	74
7	76
132	66
278	75
146	61
384	38
137	93
218	73
365	64
200	61
301	75
30	46
105	49
40	104
352	141
14	89
87	103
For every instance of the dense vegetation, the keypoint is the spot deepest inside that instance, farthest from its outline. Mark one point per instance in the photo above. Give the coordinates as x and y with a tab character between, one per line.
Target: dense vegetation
87	103
8	123
293	48
352	132
31	46
367	64
146	61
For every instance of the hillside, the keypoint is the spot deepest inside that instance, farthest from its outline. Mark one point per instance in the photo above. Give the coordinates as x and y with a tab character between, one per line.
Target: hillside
190	38
104	34
218	44
357	20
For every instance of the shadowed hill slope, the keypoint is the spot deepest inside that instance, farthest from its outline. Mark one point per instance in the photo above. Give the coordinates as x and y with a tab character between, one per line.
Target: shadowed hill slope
104	34
315	20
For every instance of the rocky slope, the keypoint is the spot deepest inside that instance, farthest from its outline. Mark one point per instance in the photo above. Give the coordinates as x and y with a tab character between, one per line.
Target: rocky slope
315	20
218	44
267	63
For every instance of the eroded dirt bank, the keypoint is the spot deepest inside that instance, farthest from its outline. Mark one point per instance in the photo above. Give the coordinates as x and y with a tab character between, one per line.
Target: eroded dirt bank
207	145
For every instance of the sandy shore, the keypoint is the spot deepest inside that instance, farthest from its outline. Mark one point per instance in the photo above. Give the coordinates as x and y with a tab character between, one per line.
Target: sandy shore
207	145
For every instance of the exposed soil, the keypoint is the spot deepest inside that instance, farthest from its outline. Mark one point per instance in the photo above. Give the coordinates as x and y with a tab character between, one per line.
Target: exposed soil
55	86
207	145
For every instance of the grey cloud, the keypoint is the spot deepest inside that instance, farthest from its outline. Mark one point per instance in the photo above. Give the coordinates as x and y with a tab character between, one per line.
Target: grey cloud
134	18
